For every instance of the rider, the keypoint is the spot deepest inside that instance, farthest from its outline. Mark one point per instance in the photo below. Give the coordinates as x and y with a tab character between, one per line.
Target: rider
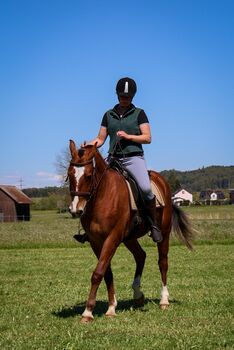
128	128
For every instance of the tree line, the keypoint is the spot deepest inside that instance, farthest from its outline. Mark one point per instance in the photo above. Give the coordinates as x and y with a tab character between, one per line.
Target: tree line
213	177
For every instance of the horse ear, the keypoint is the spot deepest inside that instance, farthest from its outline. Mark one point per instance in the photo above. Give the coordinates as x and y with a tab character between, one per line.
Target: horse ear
96	143
72	148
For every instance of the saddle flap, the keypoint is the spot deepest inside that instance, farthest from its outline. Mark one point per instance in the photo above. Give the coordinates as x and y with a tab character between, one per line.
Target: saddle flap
158	194
134	194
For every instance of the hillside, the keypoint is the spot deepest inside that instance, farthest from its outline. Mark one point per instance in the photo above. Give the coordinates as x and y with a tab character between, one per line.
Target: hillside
212	177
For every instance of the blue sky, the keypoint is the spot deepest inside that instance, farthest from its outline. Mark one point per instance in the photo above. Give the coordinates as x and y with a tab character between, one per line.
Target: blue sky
60	61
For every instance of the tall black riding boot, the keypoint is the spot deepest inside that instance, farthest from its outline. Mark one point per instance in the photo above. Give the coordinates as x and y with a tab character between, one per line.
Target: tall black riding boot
82	238
151	212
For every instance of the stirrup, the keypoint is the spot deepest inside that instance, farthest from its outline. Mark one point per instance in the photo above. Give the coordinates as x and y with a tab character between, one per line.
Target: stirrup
81	238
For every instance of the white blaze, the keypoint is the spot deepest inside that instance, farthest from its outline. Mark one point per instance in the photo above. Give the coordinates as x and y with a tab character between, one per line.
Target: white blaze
79	171
73	204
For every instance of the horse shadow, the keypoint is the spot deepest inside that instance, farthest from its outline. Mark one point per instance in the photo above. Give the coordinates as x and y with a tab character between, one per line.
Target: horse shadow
101	307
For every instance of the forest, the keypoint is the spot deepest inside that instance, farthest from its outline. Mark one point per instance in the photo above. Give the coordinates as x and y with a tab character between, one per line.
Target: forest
212	177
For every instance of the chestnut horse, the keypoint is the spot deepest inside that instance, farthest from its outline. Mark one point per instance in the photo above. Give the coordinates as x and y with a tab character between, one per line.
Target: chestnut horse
100	197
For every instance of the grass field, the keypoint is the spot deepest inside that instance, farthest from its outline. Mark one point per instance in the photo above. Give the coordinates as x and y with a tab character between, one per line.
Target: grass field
45	279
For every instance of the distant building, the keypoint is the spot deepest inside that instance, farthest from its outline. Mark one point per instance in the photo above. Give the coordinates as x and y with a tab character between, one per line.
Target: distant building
231	196
212	197
14	204
182	197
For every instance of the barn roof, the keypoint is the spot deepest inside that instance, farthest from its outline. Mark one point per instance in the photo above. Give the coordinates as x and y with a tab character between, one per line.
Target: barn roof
17	195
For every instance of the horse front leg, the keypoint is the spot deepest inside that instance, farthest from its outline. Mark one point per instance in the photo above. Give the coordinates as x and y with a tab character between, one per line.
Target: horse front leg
139	256
109	247
163	248
96	279
112	302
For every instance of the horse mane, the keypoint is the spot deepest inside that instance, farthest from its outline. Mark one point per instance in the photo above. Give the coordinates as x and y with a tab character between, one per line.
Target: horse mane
100	161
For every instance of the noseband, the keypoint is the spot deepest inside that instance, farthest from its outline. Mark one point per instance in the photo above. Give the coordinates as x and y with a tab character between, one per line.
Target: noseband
79	165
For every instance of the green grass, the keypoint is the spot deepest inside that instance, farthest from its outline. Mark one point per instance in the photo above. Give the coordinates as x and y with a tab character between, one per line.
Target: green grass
211	212
47	229
43	291
43	294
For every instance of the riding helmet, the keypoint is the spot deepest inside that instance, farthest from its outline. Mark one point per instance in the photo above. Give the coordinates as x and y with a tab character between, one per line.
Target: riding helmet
126	87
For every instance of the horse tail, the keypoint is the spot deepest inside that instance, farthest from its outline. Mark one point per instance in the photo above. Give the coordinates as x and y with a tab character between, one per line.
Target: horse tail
182	226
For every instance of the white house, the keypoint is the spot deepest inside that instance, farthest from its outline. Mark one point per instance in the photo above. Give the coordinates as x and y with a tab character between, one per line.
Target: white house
182	196
213	196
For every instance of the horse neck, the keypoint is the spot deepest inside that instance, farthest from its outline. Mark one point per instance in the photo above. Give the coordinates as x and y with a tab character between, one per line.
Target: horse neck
100	164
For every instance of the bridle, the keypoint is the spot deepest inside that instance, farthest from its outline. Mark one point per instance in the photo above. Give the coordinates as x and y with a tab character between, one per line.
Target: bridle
80	165
94	184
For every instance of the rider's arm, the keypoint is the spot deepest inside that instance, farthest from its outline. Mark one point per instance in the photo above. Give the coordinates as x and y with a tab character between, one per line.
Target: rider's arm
101	138
145	136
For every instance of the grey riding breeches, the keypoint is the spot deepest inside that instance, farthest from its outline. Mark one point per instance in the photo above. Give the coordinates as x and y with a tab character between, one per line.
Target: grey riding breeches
136	167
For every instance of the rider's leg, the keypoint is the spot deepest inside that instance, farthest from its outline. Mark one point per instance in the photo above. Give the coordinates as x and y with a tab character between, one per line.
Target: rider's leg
136	167
152	216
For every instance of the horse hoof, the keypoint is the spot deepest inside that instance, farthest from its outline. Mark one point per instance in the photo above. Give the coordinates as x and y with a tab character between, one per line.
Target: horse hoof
139	302
110	312
86	319
110	315
164	306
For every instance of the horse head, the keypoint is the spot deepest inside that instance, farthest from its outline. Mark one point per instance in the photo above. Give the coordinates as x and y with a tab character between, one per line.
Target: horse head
81	176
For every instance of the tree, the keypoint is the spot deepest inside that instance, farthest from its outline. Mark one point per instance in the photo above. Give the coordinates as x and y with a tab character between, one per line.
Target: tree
173	182
62	163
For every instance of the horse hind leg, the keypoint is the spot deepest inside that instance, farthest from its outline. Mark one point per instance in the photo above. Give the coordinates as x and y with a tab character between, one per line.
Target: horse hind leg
163	267
164	301
139	256
138	295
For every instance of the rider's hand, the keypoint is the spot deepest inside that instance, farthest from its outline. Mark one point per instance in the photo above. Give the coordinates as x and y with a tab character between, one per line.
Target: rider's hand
122	135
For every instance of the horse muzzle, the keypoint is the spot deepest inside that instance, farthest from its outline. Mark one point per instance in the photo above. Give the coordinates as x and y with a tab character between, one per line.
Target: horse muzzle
77	207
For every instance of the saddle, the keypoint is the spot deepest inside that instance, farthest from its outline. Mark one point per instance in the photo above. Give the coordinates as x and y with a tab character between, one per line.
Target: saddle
136	200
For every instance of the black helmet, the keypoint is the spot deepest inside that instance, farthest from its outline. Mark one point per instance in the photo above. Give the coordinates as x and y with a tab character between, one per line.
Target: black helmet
126	87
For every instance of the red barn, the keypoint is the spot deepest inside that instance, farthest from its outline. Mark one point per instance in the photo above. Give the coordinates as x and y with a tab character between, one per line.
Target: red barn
14	204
